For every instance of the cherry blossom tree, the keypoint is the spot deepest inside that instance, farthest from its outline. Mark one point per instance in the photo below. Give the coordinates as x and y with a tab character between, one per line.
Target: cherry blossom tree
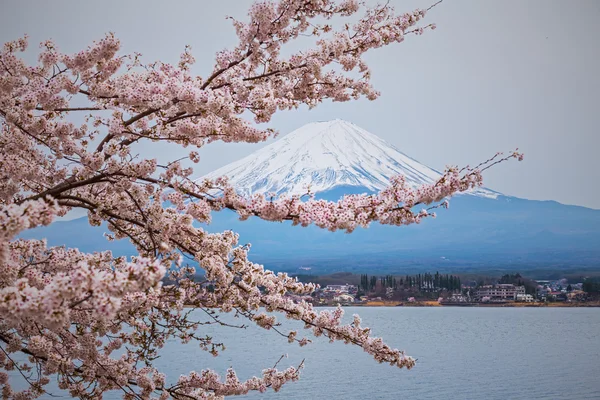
66	314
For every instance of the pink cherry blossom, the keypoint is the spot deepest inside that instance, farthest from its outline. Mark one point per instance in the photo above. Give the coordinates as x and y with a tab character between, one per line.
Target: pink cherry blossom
71	312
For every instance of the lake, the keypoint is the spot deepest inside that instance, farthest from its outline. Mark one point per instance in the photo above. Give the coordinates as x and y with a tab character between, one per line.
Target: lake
462	352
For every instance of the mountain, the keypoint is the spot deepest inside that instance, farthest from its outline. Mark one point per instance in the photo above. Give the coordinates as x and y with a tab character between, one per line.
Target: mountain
483	230
326	155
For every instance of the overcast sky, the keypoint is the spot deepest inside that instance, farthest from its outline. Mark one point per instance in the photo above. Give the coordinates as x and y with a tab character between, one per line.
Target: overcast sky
495	75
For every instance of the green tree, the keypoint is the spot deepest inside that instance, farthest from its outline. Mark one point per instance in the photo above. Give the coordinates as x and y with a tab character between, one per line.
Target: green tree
591	285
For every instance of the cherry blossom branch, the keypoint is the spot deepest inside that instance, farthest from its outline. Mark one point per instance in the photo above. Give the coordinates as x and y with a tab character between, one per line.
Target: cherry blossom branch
70	311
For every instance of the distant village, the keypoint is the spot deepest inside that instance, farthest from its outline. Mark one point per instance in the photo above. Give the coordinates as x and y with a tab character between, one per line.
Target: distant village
448	290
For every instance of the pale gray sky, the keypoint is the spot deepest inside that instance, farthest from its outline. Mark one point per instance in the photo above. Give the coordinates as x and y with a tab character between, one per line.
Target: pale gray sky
495	75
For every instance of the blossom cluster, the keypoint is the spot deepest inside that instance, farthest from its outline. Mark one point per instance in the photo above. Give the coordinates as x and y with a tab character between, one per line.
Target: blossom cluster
70	312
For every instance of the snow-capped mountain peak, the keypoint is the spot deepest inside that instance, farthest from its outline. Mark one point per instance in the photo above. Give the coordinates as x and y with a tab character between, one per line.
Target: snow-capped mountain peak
325	155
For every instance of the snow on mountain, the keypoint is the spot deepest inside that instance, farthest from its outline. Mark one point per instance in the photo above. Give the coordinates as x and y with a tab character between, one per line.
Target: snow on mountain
326	155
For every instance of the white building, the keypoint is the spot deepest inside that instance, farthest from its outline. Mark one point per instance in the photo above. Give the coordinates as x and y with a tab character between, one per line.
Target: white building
344	298
527	298
458	298
340	288
501	292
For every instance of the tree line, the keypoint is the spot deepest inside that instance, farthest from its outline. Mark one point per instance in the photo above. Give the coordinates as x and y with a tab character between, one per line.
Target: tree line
423	282
591	285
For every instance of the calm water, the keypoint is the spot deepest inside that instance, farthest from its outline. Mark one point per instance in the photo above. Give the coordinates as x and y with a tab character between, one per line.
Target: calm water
463	353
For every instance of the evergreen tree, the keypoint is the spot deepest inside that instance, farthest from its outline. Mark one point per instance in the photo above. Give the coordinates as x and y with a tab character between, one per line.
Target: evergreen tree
373	283
591	285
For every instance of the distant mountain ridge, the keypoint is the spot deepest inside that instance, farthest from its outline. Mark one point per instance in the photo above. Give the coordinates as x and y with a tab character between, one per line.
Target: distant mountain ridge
482	229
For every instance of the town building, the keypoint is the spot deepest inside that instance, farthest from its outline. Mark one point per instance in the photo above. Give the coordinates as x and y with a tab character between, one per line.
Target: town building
556	296
454	298
458	298
344	299
500	292
341	288
527	298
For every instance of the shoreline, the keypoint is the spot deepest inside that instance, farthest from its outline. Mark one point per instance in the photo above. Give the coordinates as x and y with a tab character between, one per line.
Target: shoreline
487	305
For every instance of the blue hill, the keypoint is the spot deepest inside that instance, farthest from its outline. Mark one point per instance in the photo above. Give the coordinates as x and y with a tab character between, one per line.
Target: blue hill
474	232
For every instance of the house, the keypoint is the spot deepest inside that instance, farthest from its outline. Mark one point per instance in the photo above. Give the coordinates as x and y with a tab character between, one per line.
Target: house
543	291
341	288
458	298
557	295
527	298
344	299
